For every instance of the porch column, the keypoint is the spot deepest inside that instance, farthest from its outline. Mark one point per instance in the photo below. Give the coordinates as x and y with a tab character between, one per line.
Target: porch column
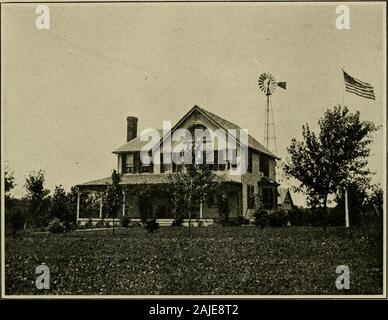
101	206
123	203
244	196
78	204
275	198
200	209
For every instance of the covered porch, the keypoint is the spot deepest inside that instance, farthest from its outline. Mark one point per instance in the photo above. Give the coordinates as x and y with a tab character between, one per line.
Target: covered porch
144	196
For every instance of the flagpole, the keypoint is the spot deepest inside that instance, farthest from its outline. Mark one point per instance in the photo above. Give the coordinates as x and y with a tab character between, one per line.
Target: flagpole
346	190
346	209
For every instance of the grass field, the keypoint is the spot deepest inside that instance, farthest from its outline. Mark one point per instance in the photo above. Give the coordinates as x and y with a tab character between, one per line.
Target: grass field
214	260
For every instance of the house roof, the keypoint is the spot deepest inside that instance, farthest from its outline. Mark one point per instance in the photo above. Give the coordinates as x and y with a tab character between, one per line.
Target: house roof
282	195
136	145
225	124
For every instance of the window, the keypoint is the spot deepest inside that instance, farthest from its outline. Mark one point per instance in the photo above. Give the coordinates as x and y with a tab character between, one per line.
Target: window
233	160
201	132
264	164
221	161
249	160
269	197
132	164
143	168
165	167
146	168
251	196
129	165
215	160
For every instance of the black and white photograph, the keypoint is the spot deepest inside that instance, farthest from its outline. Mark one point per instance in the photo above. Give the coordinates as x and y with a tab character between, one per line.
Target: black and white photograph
183	150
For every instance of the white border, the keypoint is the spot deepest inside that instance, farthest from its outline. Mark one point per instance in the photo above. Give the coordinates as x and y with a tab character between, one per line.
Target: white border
204	297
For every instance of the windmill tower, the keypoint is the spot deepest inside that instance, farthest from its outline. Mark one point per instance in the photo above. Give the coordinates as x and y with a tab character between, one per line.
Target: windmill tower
267	84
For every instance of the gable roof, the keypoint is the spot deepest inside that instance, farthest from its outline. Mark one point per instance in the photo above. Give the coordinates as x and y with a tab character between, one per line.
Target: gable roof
282	195
225	124
136	145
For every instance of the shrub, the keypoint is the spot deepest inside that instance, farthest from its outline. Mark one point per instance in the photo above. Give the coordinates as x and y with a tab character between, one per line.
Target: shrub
151	225
133	224
81	227
89	224
124	221
261	218
100	224
56	226
177	221
278	218
16	218
300	217
223	209
69	226
232	222
242	220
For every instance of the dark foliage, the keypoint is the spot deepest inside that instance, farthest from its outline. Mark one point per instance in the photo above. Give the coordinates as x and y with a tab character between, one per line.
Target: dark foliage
100	224
113	197
330	161
89	224
56	226
151	225
177	221
38	200
61	206
261	218
125	221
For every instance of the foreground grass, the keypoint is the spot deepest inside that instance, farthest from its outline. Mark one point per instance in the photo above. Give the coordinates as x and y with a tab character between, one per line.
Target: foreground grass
214	260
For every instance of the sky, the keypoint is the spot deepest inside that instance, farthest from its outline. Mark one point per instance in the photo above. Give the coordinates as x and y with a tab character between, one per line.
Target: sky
66	91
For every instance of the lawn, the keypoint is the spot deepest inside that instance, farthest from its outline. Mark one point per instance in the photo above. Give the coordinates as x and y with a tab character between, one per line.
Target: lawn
213	260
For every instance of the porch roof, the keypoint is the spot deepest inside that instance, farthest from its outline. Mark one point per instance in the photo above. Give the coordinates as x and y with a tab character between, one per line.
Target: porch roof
265	181
136	179
142	178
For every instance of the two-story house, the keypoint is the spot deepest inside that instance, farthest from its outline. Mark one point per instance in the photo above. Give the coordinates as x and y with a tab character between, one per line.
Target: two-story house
256	187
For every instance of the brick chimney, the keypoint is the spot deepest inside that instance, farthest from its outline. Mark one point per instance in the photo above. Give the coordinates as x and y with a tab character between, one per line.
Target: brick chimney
131	128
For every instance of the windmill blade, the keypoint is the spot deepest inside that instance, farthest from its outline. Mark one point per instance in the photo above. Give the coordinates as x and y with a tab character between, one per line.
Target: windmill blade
282	85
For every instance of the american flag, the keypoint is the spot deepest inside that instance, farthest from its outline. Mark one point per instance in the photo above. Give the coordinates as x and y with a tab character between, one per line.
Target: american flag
358	87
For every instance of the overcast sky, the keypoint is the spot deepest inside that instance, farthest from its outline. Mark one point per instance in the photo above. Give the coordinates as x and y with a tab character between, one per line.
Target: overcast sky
67	91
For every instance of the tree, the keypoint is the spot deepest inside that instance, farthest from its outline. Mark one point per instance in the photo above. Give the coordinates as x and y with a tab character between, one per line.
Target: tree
15	216
38	199
373	205
328	162
190	185
61	206
9	181
113	196
376	199
72	203
9	184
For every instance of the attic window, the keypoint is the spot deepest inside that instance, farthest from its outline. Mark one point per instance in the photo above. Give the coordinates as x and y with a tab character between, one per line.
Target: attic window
199	132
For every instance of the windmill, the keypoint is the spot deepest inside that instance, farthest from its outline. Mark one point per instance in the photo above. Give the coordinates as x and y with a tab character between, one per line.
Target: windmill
267	84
